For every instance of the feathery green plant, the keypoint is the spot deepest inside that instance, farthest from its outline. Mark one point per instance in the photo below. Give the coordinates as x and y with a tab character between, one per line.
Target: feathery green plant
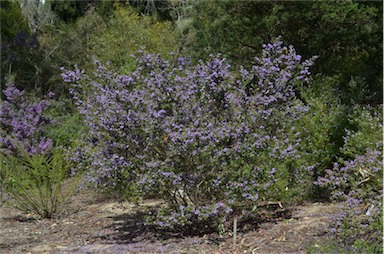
36	182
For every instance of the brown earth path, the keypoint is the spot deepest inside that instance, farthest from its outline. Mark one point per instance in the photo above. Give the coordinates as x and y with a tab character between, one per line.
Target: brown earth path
91	225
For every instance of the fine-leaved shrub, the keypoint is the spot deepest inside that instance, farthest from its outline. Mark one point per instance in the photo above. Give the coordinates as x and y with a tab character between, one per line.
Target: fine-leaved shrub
212	142
37	182
5	177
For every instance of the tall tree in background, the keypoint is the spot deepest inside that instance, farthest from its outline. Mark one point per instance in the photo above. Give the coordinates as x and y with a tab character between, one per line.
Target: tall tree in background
37	13
346	35
69	11
156	8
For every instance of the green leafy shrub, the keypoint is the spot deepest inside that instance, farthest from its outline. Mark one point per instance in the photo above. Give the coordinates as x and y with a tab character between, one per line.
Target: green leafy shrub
127	33
38	183
365	132
323	126
347	35
356	183
67	124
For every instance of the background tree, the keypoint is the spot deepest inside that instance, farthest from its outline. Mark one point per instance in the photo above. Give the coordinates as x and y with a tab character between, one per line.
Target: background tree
12	20
347	36
69	11
37	13
17	45
128	32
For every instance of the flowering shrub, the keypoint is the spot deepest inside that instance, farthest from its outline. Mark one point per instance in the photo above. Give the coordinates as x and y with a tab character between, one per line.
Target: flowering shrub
357	184
22	123
211	142
31	172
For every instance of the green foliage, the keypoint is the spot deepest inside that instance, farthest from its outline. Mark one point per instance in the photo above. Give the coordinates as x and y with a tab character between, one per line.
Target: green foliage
127	33
35	62
356	182
16	41
37	183
364	246
227	27
37	13
27	66
65	45
155	8
105	8
347	35
5	179
367	131
12	20
331	247
324	123
322	129
69	11
67	126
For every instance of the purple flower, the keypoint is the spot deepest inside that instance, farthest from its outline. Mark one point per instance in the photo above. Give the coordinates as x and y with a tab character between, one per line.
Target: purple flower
175	129
23	123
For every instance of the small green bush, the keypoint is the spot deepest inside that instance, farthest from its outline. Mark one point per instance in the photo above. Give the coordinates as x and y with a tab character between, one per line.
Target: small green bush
321	129
38	182
366	131
324	124
67	125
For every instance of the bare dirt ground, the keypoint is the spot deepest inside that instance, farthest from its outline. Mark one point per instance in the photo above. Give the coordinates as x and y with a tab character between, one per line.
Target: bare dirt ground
92	225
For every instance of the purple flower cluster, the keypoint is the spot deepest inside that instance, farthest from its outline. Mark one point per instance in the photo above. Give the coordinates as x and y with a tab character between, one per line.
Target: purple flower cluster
23	123
194	219
198	135
357	186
